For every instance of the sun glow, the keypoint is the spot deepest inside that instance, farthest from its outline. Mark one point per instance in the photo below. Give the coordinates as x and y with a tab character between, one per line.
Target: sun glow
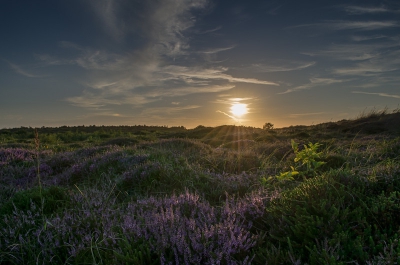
239	109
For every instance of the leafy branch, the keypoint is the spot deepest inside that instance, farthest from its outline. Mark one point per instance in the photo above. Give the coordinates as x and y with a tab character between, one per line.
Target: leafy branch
306	162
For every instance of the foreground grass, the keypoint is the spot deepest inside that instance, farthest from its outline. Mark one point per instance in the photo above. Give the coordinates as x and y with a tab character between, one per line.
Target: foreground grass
213	200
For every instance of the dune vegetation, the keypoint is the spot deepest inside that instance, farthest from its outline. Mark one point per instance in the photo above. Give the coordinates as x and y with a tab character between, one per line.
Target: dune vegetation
321	194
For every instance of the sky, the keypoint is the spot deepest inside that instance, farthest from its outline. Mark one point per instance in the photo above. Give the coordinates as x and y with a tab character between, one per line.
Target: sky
196	62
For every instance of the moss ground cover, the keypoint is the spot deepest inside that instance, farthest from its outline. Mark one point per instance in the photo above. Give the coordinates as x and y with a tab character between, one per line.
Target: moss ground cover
156	195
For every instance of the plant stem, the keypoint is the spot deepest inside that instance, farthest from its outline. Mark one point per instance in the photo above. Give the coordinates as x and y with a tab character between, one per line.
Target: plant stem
37	148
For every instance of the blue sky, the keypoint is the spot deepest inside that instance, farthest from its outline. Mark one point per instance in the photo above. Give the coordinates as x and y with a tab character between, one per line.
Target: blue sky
186	62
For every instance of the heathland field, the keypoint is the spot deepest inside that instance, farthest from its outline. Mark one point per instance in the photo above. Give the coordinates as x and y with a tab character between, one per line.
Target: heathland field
321	194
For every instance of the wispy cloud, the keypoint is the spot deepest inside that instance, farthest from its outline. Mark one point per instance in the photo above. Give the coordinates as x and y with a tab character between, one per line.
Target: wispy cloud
210	30
104	99
367	38
217	50
359	10
377	94
230	100
361	69
226	114
167	23
289	66
388	61
362	25
19	70
50	60
183	91
360	60
315	82
107	11
123	93
354	52
387	81
90	60
161	23
168	110
351	25
182	72
149	73
297	115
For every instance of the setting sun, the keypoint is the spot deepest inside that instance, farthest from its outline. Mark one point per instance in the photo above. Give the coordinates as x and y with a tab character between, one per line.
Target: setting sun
239	109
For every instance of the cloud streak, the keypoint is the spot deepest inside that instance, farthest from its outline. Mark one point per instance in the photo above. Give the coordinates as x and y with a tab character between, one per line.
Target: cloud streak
168	110
21	71
354	52
297	115
226	114
351	25
291	66
107	11
315	82
167	23
362	25
182	72
217	50
360	10
377	94
376	65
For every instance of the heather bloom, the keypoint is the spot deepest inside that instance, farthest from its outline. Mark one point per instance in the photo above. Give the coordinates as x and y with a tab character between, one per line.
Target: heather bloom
44	169
9	155
74	230
193	230
23	235
71	167
92	220
180	229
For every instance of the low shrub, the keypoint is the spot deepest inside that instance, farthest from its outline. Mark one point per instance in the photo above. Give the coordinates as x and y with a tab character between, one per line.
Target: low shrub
50	200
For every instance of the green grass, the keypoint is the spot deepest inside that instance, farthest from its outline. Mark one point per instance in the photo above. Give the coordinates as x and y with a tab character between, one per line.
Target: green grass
341	208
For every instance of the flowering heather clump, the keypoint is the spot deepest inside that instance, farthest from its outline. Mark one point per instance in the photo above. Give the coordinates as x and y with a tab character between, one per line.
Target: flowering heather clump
13	167
11	155
17	166
91	221
16	176
27	236
191	230
116	159
44	169
85	169
24	238
181	228
62	161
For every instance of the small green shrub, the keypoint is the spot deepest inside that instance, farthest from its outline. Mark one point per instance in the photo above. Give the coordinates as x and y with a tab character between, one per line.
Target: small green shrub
54	198
306	163
320	207
308	158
